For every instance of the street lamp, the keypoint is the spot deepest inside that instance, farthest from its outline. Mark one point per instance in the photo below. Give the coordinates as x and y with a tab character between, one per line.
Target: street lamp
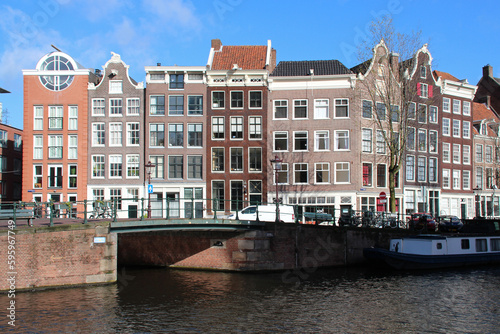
149	165
477	190
276	162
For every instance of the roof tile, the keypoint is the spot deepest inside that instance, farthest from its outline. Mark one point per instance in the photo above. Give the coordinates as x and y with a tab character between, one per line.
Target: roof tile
247	57
303	68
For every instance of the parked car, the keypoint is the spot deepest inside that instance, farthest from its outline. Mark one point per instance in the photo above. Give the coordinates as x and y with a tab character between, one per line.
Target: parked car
267	213
419	221
449	223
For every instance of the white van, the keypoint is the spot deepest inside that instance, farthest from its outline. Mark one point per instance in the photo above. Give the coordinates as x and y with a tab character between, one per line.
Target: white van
267	213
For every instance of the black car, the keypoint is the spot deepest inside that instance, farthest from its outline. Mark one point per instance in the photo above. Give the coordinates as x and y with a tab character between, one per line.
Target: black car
449	223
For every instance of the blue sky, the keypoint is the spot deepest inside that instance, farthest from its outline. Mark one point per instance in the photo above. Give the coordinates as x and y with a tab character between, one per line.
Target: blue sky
463	36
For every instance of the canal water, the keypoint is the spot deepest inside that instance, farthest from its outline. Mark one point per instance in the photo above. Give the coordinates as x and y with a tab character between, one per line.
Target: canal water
352	300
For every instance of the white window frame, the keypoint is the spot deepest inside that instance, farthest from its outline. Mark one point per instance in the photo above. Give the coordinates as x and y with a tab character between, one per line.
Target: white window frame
446	152
341	103
133	106
115	134
37	117
316	170
295	105
72	146
321	109
457	106
282	104
446	129
72	117
336	136
466	155
115	87
446	104
456	132
287	141
337	169
98	107
325	139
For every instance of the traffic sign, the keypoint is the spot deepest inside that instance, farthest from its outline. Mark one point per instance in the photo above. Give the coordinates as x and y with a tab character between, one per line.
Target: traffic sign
382	195
150	188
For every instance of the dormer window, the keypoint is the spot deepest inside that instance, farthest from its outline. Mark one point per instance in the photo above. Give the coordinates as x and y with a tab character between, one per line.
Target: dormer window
423	72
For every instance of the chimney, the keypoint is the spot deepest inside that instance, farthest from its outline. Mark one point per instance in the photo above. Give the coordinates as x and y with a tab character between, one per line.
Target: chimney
394	61
216	44
488	71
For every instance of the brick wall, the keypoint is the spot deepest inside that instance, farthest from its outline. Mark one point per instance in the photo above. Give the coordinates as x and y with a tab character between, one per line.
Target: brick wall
59	256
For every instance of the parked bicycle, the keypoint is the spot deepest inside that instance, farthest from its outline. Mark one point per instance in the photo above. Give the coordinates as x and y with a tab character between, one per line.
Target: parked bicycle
102	209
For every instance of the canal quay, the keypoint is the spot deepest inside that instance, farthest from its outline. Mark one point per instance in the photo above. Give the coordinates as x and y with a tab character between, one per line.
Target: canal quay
71	252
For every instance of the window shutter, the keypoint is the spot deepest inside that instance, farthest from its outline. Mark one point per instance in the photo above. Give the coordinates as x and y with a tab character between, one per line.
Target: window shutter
419	89
430	90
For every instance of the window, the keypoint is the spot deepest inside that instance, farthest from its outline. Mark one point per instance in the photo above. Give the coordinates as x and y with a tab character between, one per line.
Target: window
422	140
322	172
424	90
366	140
489	178
466	155
321	109
195	105
481	245
381	111
175	105
176	81
321	140
446	104
175	135
236	100
422	113
282	175
255	191
488	154
98	107
55	117
218	159
217	100
115	107
446	126
479	153
465	129
237	127
115	134
466	108
133	106
456	128
280	141
236	159
218	195
280	109
195	76
255	127
367	109
342	172
341	108
115	195
446	152
38	118
55	147
433	114
195	167
381	176
422	169
479	177
55	177
157	135
423	72
72	147
341	140
381	142
367	175
433	170
115	166
98	166
72	118
456	106
300	173
446	178
433	141
3	138
395	114
300	109
37	147
466	179
410	168
18	142
255	159
133	134
236	195
412	107
456	153
175	167
456	179
133	166
37	176
217	127
300	141
159	163
256	99
115	87
195	135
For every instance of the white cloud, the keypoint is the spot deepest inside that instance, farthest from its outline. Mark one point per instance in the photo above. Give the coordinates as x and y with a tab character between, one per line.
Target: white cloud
173	15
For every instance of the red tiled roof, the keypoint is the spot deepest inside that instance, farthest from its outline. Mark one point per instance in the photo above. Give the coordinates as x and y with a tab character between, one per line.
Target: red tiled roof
248	57
480	112
445	76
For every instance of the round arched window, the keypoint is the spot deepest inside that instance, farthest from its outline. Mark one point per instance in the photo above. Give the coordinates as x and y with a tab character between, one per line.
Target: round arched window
57	81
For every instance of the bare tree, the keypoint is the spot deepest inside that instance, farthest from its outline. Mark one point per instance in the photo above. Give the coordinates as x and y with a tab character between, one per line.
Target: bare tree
387	82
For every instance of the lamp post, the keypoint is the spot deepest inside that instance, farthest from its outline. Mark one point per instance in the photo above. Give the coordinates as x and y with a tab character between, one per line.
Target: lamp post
149	165
276	162
476	193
